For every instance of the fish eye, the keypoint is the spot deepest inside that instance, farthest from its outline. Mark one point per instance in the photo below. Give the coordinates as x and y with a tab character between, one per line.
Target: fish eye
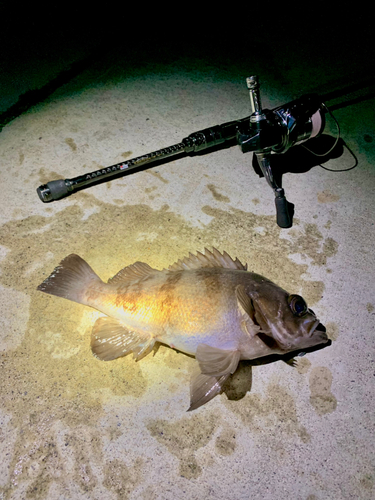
297	305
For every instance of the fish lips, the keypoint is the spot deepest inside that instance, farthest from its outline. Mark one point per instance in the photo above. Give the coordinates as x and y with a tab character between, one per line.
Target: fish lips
316	335
319	333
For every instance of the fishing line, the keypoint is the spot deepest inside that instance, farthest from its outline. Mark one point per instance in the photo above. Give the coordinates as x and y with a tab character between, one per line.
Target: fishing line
334	145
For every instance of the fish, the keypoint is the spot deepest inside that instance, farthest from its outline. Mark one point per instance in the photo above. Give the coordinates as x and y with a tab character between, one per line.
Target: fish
206	305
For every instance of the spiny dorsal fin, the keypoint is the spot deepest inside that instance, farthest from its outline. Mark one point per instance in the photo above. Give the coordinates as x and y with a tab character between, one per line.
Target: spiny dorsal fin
134	272
208	259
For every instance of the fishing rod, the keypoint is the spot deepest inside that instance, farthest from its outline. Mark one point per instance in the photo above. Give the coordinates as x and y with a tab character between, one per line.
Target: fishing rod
265	133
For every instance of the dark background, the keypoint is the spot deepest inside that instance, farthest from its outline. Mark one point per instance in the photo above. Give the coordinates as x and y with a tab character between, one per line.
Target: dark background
318	47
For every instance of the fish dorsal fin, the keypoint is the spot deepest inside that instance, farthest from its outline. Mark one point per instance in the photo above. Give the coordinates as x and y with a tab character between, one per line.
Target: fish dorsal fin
134	272
208	259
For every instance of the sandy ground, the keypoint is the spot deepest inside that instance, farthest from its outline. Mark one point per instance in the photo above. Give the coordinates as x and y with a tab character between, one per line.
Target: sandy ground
72	426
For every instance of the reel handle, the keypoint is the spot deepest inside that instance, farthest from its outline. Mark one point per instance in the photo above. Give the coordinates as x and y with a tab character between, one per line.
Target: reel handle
284	209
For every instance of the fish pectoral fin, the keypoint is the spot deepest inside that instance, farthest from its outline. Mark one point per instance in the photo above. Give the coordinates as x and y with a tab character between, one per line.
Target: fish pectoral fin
247	310
110	340
203	388
216	362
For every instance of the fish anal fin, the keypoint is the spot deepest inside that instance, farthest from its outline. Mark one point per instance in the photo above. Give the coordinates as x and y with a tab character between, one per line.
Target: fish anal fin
134	272
247	310
216	362
203	388
144	348
110	340
208	259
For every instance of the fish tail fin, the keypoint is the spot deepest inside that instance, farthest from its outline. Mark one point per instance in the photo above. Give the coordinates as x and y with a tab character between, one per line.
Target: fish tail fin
71	280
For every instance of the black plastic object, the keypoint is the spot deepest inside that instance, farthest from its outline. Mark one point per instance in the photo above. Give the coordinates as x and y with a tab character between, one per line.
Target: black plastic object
284	209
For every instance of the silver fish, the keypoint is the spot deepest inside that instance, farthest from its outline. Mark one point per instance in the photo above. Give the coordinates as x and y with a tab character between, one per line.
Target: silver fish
207	305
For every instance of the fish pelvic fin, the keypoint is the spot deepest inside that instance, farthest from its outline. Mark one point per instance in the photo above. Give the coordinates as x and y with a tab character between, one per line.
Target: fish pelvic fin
110	340
216	362
215	366
208	259
203	388
70	279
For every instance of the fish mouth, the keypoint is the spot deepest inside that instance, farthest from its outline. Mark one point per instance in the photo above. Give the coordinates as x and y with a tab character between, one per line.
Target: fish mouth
318	333
314	334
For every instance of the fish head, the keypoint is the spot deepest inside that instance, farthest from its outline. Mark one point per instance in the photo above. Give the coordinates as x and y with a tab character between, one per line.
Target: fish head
286	319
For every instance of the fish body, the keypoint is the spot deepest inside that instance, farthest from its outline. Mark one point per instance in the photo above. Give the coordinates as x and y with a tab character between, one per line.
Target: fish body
207	305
